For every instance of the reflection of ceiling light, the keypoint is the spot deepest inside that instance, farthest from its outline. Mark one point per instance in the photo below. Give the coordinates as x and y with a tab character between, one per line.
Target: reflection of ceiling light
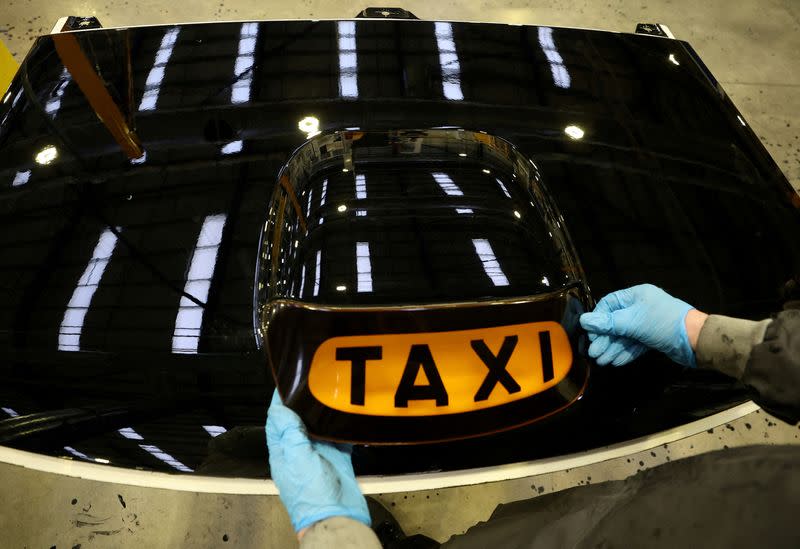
741	120
485	171
7	97
233	147
341	208
309	125
101	460
545	281
47	155
214	430
672	59
341	288
345	170
517	214
462	154
574	132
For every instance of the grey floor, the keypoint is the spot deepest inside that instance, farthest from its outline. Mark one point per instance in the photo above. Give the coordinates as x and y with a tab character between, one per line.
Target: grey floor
753	48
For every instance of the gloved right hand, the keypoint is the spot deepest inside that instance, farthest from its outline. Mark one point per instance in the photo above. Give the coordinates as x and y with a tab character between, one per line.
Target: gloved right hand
625	323
315	479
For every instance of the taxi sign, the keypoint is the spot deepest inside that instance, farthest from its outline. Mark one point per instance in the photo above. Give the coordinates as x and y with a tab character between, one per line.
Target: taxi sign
438	373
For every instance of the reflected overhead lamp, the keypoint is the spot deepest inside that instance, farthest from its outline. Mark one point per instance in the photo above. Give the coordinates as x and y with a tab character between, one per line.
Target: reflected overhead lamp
309	125
574	132
47	155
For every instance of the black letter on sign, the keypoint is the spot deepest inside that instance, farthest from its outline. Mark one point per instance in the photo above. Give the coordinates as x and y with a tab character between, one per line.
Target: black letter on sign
547	356
358	357
420	355
497	367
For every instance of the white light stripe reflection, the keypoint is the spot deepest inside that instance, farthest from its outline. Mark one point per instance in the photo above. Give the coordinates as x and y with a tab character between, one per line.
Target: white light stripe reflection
317	270
324	192
490	264
141	160
155	451
308	207
448	61
69	334
363	267
361	186
348	59
11	412
76	453
54	103
243	70
302	281
214	430
232	148
189	320
13	104
464	210
503	188
561	76
128	432
21	178
158	453
152	86
447	185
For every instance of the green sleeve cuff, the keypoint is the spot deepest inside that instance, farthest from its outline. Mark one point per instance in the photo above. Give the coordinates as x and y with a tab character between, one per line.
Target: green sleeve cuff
725	343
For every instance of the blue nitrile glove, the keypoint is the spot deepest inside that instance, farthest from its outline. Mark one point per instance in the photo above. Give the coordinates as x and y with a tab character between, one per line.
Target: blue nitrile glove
315	479
628	322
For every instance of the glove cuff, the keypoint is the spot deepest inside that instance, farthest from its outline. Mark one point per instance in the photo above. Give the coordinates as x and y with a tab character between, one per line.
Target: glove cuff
683	353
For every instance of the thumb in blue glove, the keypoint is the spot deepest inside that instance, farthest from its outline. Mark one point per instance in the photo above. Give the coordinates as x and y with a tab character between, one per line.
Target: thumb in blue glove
315	479
628	322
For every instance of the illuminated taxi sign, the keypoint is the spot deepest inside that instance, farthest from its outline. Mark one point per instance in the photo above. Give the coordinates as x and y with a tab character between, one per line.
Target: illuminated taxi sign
437	373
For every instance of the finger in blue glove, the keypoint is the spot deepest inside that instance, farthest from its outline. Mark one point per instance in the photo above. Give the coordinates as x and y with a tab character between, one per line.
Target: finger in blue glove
616	351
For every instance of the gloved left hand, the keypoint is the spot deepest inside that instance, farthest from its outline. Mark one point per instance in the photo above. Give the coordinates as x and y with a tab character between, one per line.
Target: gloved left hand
627	322
315	479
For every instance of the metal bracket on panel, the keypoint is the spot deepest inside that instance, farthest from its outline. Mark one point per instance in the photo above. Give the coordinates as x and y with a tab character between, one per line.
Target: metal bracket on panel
386	13
74	22
654	29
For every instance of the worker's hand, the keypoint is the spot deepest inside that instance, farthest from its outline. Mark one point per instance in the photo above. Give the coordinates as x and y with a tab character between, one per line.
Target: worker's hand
315	479
628	322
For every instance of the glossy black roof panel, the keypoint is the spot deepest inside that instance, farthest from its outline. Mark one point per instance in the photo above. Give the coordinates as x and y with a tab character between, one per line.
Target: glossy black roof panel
126	286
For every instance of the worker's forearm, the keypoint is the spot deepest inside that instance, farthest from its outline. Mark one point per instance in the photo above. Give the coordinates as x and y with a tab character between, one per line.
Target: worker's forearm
339	533
764	355
724	343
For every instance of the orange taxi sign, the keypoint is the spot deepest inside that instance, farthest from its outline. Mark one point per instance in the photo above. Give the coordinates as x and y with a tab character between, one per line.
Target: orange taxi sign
437	373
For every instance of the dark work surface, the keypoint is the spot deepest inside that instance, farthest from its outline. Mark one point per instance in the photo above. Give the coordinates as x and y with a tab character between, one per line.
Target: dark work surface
126	288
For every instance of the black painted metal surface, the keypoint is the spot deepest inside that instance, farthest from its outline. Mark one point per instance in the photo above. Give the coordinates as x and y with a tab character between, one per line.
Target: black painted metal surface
126	319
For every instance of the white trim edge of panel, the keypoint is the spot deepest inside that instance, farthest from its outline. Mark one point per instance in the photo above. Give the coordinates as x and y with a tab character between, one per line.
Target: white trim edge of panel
370	485
356	19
